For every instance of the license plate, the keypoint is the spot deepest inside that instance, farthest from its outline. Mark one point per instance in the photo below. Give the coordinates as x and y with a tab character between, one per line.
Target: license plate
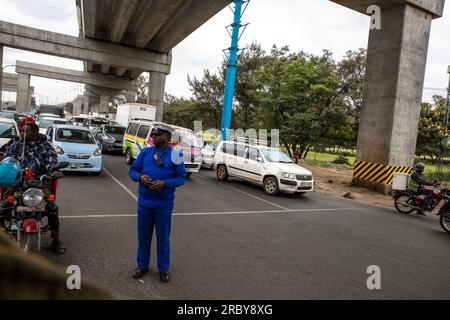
76	165
305	184
29	209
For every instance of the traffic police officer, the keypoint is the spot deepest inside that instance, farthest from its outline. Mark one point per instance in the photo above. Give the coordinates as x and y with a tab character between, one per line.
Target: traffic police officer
159	170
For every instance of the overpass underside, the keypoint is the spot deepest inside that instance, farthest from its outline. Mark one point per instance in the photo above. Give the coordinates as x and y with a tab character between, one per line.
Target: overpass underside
156	26
118	39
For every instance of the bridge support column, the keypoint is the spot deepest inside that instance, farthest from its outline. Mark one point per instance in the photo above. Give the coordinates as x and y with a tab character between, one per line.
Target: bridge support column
156	87
130	96
392	96
85	107
23	101
104	104
77	105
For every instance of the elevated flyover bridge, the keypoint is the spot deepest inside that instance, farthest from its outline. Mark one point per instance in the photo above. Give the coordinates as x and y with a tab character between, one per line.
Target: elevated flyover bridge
122	39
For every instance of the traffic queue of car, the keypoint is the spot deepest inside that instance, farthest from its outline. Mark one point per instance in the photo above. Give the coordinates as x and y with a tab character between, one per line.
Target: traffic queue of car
81	141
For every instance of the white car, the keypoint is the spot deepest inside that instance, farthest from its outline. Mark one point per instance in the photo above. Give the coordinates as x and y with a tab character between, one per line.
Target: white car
46	122
207	156
47	115
265	166
8	130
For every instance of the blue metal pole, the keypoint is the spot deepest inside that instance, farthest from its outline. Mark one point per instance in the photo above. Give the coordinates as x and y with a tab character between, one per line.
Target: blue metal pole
231	71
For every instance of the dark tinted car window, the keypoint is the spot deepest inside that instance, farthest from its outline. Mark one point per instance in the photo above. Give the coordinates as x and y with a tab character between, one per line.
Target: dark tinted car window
132	129
143	132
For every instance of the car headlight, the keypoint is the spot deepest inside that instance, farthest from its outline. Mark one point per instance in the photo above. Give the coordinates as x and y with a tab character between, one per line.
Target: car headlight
59	150
32	197
97	152
286	175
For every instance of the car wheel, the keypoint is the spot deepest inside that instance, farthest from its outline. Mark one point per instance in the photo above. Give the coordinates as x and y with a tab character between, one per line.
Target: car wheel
128	158
96	173
222	172
188	174
271	186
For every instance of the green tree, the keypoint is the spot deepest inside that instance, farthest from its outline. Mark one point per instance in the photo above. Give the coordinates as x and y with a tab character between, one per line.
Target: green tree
431	140
180	111
306	96
208	92
142	92
249	63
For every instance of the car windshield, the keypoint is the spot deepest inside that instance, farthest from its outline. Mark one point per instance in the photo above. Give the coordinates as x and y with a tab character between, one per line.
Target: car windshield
275	155
115	130
7	130
208	147
78	120
98	123
45	123
8	115
185	138
75	136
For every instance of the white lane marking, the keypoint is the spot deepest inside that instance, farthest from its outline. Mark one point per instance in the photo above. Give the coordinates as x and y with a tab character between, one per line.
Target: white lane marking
121	184
203	177
250	195
210	213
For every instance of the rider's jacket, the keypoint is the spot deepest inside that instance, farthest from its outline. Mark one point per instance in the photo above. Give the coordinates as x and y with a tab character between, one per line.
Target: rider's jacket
37	155
418	182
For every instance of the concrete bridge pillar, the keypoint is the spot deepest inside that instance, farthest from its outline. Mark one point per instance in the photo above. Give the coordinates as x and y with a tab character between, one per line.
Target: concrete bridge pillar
130	96
104	104
23	101
85	105
156	87
392	96
76	107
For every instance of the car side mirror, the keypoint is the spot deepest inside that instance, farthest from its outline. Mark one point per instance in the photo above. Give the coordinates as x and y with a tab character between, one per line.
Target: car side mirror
259	159
49	138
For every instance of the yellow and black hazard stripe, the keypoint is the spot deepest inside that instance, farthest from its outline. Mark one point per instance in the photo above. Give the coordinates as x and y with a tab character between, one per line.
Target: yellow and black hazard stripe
378	173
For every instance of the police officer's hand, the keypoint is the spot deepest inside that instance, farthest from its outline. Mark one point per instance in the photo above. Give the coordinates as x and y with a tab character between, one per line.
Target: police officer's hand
157	185
145	180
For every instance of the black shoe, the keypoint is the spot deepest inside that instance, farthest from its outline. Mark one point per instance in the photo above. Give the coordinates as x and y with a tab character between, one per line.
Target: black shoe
164	276
138	273
57	247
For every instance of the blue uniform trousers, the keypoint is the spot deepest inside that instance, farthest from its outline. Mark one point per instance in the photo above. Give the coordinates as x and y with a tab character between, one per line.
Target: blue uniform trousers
160	218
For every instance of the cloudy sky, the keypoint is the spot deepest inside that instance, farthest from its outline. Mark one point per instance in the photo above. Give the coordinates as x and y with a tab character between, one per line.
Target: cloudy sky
310	25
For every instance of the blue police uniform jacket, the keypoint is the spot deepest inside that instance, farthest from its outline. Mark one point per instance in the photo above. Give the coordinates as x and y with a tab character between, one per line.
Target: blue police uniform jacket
172	172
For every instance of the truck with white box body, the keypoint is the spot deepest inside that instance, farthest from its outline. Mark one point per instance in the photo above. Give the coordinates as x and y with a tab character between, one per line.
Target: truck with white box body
128	111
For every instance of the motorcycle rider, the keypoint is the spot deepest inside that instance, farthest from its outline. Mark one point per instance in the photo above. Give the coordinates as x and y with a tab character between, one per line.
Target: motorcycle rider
418	184
38	156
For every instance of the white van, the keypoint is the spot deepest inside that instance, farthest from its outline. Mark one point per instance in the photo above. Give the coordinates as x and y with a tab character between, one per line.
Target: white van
263	165
138	136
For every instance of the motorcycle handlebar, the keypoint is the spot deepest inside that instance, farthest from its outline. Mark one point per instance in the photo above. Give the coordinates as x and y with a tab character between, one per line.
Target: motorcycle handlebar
58	166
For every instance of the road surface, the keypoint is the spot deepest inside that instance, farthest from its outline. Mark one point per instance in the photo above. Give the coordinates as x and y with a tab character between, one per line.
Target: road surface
232	241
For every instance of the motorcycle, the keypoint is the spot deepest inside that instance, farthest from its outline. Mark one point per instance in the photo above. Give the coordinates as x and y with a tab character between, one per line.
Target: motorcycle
22	213
408	201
